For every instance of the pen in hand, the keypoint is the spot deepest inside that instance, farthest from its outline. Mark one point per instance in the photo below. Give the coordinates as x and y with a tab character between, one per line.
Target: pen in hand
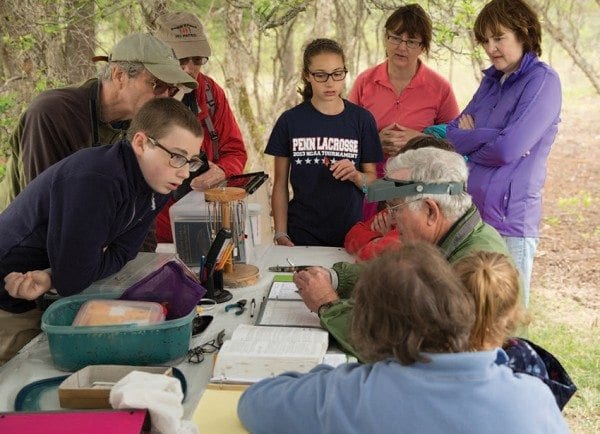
252	308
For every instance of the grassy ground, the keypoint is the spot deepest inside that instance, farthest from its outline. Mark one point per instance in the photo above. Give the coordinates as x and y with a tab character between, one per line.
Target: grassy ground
565	301
578	348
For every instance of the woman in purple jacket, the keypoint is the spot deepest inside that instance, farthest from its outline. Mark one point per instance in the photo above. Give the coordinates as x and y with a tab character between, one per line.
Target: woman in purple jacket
507	129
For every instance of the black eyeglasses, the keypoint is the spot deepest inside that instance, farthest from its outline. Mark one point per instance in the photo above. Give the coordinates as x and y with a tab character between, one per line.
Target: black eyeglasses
196	60
178	160
322	77
397	40
196	354
160	87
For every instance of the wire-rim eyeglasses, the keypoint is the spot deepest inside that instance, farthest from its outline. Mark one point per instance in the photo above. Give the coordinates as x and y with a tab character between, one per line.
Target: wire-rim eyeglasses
393	209
196	354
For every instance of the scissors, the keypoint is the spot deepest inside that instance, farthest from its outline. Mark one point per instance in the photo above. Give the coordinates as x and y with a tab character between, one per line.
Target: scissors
240	305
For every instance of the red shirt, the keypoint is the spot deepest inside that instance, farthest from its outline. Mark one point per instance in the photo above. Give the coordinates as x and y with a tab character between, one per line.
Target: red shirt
366	243
232	152
427	100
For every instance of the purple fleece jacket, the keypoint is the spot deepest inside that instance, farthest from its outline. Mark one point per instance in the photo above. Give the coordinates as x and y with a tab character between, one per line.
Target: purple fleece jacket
515	125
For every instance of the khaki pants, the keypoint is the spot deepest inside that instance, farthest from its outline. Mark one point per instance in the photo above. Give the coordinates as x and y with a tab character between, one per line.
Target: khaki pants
16	330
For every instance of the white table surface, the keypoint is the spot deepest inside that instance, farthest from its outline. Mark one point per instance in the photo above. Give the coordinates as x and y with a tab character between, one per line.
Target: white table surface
34	361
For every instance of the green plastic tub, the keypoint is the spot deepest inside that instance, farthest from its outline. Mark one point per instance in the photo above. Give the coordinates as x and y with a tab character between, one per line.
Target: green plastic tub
73	348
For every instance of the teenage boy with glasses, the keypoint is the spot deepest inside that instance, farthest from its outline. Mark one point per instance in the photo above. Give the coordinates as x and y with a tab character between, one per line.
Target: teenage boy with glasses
86	216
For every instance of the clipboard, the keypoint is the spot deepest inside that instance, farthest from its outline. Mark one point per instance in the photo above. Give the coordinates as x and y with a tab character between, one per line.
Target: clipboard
285	308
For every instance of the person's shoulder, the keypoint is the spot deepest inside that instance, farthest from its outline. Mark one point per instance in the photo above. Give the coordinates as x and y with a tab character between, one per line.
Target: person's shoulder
355	109
542	70
302	109
204	79
97	159
55	100
371	73
433	78
361	373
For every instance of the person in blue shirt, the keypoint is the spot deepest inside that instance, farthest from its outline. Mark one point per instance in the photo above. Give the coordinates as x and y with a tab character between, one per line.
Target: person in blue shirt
84	217
493	281
328	148
412	323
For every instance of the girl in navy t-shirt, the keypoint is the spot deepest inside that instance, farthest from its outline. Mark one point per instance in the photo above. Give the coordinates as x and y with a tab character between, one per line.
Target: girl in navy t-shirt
328	148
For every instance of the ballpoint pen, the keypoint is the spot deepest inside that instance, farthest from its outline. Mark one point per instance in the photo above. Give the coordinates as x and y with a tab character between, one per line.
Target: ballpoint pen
252	308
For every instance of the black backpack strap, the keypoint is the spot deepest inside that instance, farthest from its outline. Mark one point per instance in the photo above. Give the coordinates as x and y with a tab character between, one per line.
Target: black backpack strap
94	98
212	105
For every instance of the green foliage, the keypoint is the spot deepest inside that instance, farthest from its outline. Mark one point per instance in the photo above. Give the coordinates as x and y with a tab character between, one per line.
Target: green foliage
583	199
552	220
8	103
20	42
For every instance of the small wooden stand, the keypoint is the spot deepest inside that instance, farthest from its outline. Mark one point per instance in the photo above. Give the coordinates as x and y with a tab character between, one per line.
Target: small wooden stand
235	275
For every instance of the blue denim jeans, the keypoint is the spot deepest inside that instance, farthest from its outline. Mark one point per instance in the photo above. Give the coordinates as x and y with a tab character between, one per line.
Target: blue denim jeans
522	250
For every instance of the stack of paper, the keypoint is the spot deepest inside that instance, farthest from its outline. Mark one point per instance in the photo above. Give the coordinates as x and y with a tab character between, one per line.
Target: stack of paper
256	352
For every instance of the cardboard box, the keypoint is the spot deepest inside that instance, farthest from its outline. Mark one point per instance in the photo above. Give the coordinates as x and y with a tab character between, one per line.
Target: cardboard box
90	387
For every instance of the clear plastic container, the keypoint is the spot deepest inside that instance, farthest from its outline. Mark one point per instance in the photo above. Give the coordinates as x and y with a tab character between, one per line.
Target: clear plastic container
118	312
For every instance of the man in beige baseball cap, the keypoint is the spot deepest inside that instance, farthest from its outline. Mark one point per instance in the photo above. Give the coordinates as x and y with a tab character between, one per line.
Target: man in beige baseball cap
156	56
223	142
59	122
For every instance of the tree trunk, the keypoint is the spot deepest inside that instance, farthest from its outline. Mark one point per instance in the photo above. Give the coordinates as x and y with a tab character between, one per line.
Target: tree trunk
285	71
236	65
79	41
571	49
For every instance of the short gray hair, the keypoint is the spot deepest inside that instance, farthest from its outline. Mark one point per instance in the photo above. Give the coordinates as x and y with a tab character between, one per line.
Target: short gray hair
433	165
131	69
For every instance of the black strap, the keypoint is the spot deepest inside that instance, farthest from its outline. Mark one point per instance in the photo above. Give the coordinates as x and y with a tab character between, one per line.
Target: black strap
94	91
467	227
212	105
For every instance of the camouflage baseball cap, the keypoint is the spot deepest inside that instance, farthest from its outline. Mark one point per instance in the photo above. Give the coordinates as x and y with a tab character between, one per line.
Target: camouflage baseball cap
156	56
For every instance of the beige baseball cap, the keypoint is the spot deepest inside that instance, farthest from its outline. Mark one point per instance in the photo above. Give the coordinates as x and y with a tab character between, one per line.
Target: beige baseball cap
184	32
156	56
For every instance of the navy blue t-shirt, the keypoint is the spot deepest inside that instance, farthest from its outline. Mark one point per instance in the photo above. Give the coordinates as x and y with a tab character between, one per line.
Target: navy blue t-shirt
323	209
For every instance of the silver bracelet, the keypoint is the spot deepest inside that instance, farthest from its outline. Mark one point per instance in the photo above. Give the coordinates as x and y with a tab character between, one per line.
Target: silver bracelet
278	235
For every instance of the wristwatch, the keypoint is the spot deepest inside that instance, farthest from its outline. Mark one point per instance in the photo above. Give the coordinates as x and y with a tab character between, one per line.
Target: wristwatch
326	306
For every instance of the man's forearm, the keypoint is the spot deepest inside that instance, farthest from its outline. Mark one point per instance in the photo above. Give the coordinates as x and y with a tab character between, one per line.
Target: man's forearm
336	320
